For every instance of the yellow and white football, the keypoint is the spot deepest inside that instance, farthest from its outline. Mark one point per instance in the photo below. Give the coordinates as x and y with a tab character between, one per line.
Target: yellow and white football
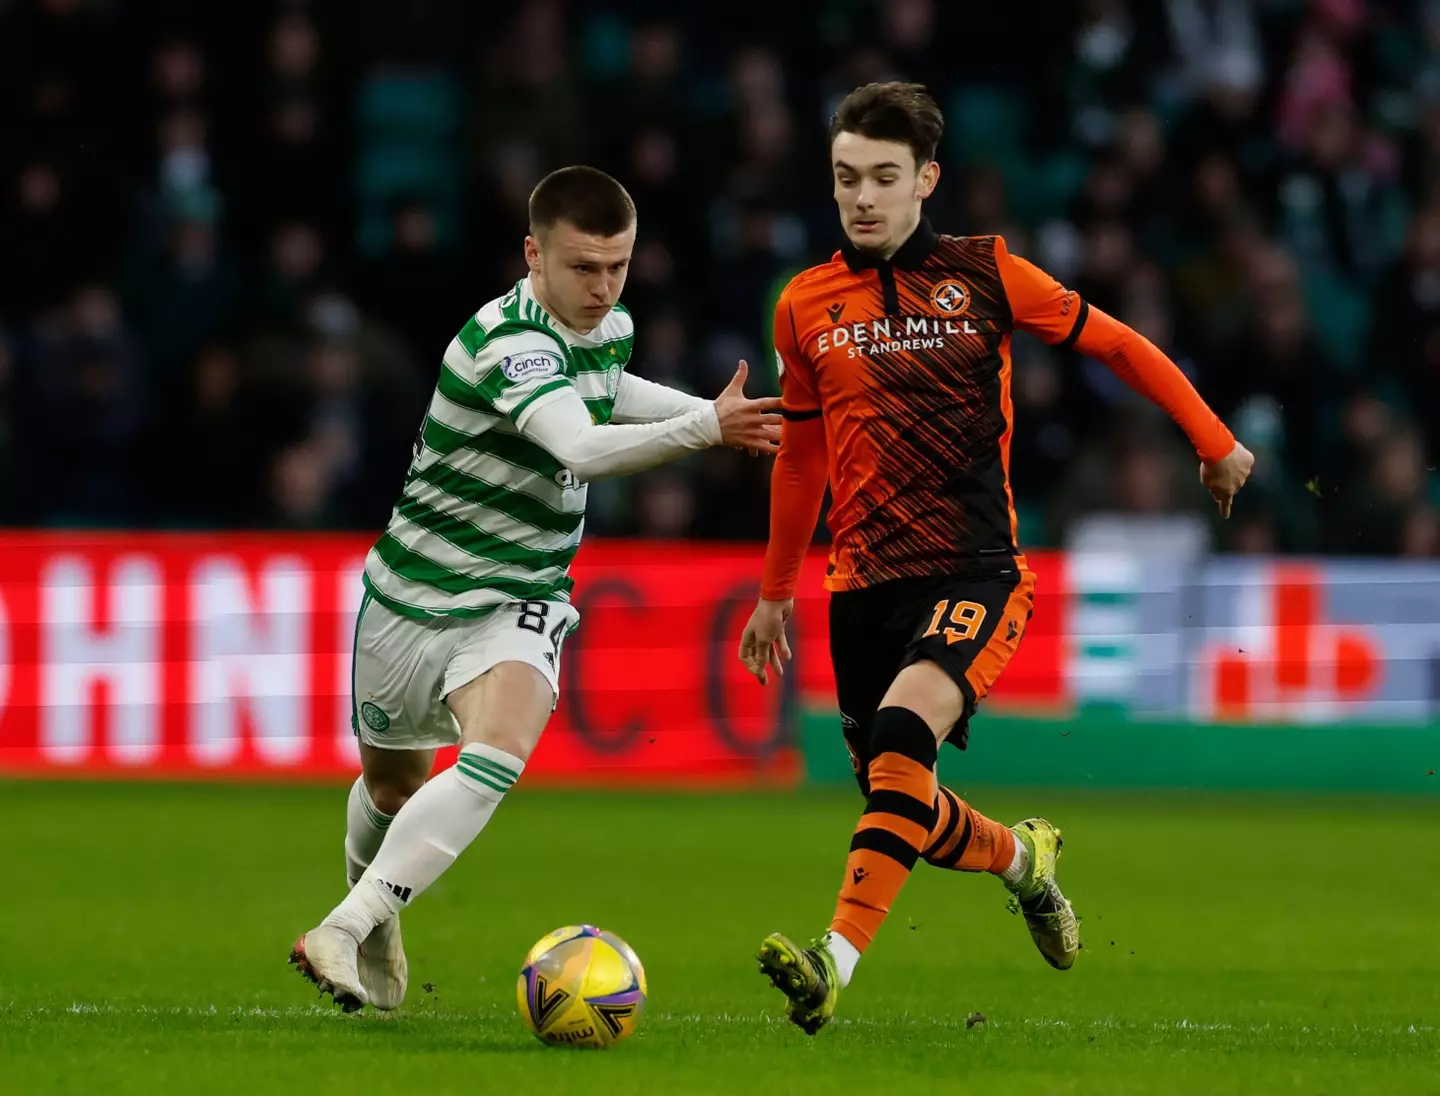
581	986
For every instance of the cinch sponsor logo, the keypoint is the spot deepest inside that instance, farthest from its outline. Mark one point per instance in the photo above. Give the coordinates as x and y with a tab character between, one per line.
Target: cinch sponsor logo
892	334
523	367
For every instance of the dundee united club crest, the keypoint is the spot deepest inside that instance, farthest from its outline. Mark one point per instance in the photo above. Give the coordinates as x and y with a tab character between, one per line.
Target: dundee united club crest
950	297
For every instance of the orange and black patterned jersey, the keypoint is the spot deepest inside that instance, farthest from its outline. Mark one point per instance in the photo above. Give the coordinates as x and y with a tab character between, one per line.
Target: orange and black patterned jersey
908	363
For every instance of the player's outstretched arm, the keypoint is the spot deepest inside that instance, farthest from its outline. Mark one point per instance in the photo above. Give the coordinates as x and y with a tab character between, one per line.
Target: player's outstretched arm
797	489
1224	463
1043	306
639	400
562	425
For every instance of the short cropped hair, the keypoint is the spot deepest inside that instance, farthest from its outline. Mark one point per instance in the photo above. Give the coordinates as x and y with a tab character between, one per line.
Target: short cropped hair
892	112
584	197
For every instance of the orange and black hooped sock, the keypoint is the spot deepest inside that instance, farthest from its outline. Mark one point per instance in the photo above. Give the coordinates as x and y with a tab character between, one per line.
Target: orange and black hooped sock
963	839
899	817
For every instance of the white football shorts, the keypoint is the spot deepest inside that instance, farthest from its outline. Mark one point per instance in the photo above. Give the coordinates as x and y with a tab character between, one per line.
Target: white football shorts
406	666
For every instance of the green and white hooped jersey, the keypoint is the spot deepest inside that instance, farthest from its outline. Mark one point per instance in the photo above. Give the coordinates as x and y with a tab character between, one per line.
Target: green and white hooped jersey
486	515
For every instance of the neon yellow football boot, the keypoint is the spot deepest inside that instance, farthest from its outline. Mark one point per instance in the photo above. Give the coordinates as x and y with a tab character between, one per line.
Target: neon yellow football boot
807	976
1052	923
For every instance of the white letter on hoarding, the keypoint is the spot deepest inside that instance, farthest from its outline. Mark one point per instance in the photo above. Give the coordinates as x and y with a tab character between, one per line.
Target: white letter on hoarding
74	655
243	651
4	658
351	593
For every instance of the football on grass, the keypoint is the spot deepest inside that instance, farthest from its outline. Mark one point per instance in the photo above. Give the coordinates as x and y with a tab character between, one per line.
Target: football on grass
581	987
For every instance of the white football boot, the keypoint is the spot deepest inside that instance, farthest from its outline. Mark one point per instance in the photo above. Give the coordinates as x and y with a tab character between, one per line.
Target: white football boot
328	957
384	972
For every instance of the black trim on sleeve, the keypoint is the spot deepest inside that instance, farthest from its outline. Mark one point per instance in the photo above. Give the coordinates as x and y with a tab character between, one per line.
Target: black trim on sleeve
997	244
799	416
1073	337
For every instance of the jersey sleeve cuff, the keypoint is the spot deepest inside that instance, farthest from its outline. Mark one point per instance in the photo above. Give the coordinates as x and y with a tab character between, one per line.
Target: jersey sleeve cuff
777	593
1217	447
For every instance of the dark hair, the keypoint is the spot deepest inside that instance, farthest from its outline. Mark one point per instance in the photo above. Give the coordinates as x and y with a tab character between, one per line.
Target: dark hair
892	112
584	197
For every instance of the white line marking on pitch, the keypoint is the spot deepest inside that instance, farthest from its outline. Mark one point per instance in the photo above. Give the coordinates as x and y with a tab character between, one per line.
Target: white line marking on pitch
81	1008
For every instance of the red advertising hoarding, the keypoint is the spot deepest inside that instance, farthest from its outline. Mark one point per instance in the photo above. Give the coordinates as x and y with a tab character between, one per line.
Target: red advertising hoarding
223	655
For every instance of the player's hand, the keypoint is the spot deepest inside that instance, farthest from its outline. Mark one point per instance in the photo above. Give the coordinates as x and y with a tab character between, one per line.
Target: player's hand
1226	476
763	643
746	423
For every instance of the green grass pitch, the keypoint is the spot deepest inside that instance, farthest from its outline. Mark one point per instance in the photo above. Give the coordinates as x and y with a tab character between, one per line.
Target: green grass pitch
1232	945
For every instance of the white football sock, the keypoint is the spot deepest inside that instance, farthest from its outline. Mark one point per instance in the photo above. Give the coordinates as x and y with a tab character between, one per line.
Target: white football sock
1019	865
365	828
428	833
845	954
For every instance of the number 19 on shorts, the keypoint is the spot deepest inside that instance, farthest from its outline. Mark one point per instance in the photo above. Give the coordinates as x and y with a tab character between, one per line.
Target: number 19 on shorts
965	617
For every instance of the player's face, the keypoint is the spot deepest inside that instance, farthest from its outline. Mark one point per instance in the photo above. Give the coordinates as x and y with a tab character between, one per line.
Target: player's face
879	189
579	276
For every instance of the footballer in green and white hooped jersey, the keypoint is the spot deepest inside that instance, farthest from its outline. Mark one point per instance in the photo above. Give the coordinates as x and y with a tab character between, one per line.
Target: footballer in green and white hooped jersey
488	516
472	568
467	594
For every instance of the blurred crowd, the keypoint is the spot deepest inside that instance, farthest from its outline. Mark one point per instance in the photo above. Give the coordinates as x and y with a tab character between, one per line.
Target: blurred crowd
236	238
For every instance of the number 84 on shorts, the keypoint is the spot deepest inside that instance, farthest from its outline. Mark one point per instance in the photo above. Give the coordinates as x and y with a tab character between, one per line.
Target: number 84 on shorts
405	666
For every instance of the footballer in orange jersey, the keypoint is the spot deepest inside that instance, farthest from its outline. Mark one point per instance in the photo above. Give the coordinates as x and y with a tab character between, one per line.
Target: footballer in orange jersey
894	360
